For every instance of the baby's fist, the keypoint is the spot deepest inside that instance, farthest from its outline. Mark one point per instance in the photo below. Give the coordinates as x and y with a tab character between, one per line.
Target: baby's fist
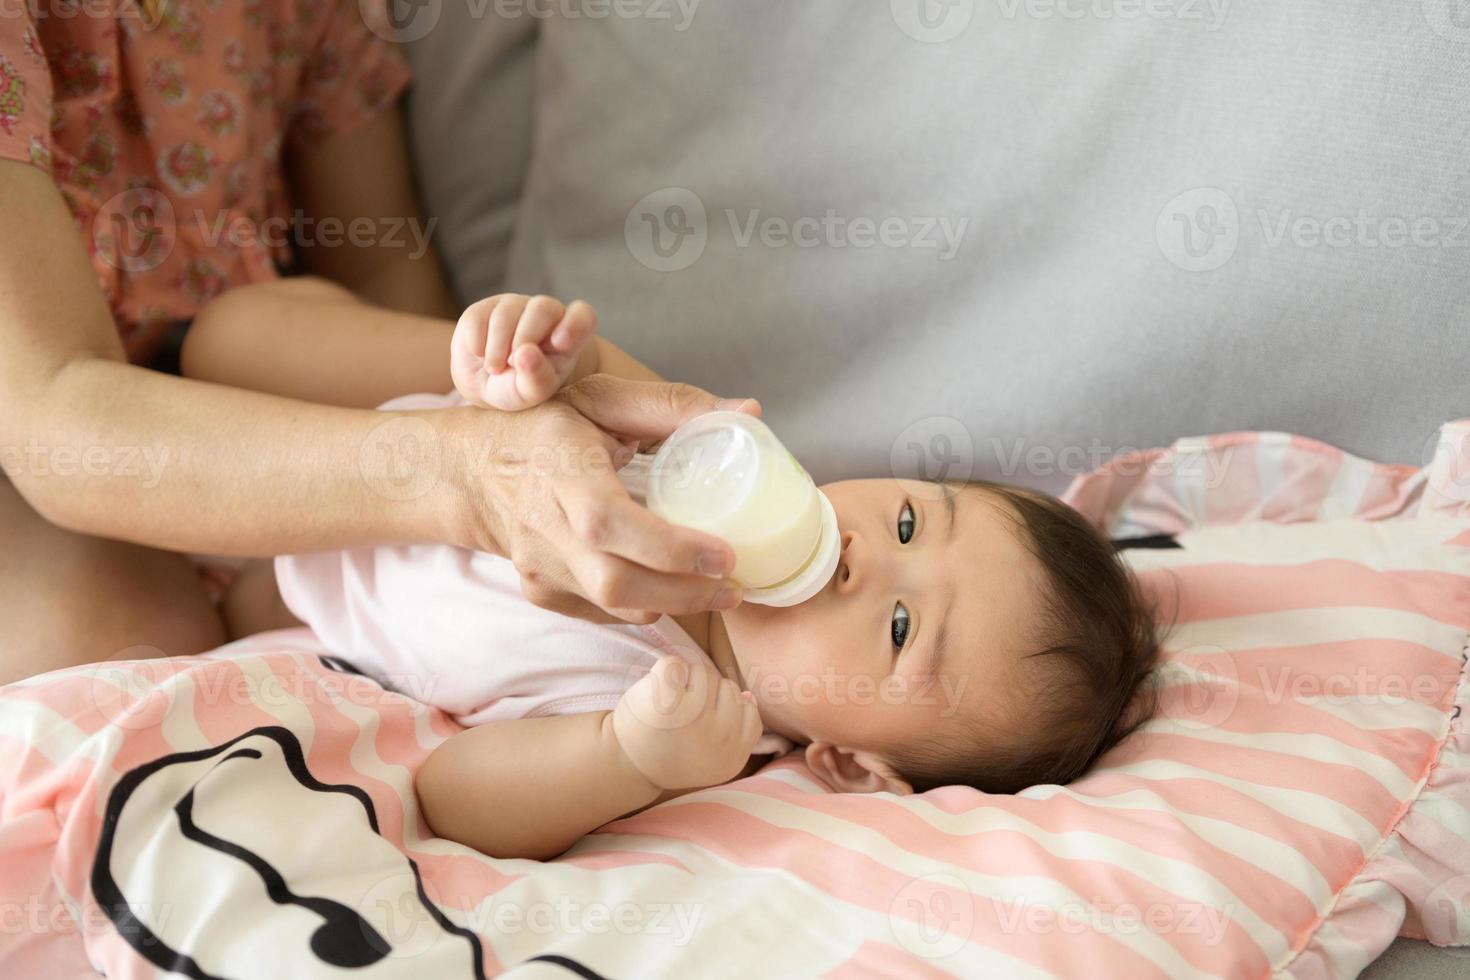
512	352
685	726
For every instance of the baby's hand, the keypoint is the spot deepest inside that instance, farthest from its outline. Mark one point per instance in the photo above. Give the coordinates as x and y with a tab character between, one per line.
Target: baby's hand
512	352
684	727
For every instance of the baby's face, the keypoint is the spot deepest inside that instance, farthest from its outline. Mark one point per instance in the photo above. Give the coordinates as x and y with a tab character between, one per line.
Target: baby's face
929	610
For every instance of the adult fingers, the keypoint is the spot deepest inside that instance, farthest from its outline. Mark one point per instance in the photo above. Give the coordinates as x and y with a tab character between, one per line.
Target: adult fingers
625	589
619	556
570	604
603	517
646	410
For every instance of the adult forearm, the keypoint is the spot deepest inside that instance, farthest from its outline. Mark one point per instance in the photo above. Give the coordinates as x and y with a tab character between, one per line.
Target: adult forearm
109	449
105	448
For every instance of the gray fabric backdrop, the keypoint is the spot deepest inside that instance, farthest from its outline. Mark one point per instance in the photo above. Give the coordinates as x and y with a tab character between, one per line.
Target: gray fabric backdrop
1046	233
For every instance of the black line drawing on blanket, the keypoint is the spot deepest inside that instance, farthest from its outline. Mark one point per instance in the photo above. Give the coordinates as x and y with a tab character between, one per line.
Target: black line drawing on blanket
339	665
570	965
168	839
344	937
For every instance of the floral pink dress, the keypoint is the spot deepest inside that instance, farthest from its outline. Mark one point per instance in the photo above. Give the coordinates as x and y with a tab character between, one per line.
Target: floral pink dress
163	123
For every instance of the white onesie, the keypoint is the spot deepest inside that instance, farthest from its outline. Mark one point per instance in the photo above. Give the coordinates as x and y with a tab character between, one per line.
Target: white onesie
451	628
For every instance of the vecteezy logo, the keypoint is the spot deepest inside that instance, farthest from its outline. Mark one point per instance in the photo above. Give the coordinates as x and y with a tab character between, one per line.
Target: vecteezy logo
131	689
1204	687
1199	230
1446	455
135	231
667	230
670	695
936	451
1445	914
400	21
932	21
400	459
147	12
1450	19
403	920
932	916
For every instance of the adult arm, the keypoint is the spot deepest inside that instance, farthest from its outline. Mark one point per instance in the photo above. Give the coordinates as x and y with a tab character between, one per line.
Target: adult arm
246	473
102	447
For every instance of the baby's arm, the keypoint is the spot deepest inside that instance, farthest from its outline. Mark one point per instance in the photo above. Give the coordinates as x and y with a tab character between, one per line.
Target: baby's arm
532	788
309	338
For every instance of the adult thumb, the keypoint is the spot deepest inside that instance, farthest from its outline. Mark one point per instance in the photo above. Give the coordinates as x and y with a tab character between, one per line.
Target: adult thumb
647	410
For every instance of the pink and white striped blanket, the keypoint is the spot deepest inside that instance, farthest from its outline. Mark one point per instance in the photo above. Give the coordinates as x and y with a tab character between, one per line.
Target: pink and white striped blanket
1303	797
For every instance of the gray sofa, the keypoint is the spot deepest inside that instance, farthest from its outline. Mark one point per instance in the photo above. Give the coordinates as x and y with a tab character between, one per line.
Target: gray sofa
1001	239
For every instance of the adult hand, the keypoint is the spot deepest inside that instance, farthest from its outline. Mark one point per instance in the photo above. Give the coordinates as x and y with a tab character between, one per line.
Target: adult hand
552	503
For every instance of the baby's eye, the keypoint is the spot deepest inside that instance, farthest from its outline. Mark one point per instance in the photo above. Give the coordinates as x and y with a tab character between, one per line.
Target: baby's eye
905	524
899	626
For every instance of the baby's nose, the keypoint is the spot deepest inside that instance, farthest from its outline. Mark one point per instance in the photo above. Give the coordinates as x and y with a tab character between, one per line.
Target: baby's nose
847	579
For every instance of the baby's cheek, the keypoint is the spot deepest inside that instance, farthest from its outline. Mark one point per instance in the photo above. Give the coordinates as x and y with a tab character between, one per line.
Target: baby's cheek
791	645
794	663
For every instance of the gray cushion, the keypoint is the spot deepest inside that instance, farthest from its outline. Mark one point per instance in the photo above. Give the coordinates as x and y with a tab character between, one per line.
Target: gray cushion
1075	154
1411	959
469	115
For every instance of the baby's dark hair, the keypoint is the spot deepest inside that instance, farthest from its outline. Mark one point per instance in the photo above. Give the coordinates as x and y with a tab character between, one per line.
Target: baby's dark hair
1090	673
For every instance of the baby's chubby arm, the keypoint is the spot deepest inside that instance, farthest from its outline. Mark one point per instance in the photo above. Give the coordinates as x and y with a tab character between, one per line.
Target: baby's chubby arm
308	338
531	788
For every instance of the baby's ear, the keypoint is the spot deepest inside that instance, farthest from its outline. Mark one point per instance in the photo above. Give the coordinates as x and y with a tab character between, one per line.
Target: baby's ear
854	771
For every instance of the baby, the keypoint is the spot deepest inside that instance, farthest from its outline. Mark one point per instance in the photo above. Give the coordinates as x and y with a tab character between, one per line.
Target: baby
972	634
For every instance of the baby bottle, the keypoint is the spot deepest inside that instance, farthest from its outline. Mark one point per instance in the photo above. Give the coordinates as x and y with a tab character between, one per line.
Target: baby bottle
726	473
